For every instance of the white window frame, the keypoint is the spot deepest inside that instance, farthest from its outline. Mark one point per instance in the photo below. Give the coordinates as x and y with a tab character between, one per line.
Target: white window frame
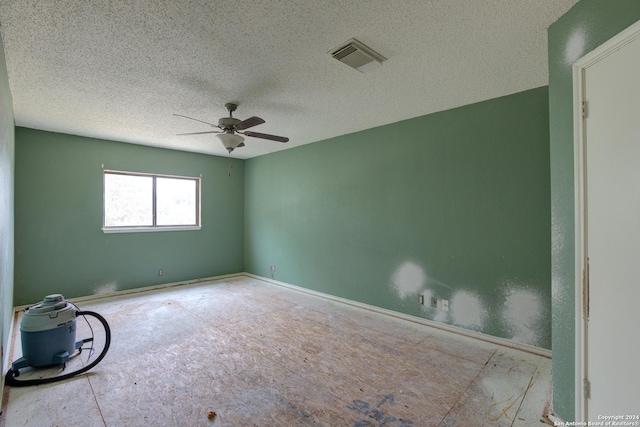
154	227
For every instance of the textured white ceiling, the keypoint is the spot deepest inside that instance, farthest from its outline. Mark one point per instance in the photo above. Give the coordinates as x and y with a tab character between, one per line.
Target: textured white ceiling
119	69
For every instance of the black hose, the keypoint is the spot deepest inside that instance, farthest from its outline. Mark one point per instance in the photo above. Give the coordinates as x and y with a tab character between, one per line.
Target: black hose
10	378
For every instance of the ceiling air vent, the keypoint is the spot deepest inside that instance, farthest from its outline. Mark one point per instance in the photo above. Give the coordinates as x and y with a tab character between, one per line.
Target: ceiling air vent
358	56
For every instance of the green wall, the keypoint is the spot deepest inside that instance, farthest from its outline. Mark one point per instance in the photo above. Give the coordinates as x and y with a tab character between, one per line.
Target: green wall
7	157
60	246
583	28
453	205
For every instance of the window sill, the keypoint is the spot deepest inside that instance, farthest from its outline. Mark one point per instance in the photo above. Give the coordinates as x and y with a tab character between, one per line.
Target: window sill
111	230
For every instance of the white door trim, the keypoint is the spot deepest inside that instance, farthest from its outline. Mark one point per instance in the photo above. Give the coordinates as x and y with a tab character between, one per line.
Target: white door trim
615	43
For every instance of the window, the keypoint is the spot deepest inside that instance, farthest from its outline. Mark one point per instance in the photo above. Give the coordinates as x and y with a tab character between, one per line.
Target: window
146	202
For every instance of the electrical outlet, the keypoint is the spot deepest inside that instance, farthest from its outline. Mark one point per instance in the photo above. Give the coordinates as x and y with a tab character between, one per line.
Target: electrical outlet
160	272
434	302
445	304
421	299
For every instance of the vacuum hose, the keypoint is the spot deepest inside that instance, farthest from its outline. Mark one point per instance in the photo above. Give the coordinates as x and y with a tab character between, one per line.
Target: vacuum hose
10	378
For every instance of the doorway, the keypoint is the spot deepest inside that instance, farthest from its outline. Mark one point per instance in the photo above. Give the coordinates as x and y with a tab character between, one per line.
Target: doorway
607	129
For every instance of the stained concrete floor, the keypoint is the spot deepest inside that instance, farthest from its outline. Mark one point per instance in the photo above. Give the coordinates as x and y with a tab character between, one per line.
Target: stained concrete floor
258	354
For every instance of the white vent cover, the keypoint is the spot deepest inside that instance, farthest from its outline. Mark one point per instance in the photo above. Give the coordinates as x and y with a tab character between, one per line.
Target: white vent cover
358	56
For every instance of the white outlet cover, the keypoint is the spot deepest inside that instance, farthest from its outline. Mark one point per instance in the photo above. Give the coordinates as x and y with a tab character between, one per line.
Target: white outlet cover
445	304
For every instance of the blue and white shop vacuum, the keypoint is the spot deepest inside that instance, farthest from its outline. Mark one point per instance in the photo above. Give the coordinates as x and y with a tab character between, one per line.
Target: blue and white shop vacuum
48	334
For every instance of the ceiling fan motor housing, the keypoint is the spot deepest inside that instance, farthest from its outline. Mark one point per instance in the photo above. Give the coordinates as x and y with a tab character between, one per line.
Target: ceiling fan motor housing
227	123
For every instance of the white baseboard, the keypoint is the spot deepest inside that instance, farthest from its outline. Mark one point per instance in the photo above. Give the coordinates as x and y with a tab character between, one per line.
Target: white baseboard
443	326
556	420
141	290
450	328
6	363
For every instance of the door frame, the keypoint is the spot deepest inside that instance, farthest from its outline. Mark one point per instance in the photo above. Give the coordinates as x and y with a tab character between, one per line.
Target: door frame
580	207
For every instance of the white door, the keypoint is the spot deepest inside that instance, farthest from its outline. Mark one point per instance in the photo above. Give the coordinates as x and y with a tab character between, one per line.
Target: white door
612	241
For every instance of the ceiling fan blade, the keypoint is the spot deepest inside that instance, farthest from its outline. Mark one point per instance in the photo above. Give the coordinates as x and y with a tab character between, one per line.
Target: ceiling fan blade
267	136
191	118
198	133
249	123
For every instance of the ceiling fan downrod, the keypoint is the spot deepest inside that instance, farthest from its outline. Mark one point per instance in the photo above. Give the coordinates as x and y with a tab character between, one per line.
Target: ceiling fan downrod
231	107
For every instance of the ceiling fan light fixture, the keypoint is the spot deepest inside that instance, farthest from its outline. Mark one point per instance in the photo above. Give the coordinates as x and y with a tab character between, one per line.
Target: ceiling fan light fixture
230	140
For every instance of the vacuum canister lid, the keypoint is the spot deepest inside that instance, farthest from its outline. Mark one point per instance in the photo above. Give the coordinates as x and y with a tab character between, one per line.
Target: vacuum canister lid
54	311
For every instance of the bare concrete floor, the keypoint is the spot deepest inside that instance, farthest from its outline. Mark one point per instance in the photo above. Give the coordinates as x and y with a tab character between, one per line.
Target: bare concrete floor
258	354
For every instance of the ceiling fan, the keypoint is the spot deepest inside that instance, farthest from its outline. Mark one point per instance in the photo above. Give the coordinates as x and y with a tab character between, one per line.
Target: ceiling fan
231	128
